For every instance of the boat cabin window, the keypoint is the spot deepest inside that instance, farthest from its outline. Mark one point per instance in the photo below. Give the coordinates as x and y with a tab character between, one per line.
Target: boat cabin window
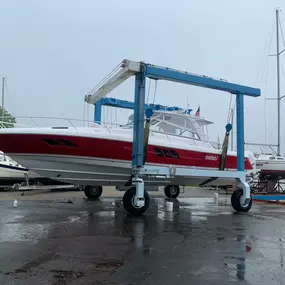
67	142
174	153
166	152
60	142
280	158
51	142
158	152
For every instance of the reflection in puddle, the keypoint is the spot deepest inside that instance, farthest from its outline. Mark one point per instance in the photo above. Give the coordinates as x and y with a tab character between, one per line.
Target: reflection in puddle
236	265
225	213
198	218
10	219
215	272
170	216
73	219
24	232
105	213
138	232
200	213
166	216
236	271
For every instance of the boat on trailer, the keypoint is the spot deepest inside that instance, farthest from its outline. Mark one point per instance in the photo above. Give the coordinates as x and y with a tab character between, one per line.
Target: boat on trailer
100	155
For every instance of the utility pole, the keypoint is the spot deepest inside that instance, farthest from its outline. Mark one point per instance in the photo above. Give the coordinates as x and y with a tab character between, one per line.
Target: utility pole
3	90
278	82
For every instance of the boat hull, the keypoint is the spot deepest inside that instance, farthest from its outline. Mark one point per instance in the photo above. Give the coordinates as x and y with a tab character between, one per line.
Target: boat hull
79	170
269	167
91	157
10	175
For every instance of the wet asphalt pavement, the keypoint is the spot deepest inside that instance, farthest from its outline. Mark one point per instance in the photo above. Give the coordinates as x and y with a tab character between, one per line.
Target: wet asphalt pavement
97	242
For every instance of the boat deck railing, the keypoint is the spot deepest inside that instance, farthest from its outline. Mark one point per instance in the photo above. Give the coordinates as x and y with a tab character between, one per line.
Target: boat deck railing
44	122
58	122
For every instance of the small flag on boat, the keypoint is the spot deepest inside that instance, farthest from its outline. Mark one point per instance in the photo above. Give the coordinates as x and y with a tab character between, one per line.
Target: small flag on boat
198	112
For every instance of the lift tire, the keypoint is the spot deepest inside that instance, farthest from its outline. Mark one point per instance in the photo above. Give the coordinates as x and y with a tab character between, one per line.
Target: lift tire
93	192
236	202
128	202
172	191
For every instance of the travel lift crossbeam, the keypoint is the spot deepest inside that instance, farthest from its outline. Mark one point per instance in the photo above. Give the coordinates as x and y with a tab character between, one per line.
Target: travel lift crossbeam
136	200
113	102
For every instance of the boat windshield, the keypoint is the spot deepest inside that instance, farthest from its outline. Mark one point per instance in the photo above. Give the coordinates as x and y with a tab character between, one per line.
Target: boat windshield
179	124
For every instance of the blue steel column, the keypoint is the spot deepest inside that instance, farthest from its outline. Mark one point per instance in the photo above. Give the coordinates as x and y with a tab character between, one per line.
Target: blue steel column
98	112
138	130
240	131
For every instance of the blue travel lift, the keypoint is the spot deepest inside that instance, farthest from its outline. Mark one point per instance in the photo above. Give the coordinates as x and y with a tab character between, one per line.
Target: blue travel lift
113	102
136	199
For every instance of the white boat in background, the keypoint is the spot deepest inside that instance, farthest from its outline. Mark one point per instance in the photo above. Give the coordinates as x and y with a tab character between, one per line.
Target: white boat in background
11	172
271	164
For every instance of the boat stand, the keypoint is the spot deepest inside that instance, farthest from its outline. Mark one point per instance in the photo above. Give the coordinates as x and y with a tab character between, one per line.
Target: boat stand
268	187
136	199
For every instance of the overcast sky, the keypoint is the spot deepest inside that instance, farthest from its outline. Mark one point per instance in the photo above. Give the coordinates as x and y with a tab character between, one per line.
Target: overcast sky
54	52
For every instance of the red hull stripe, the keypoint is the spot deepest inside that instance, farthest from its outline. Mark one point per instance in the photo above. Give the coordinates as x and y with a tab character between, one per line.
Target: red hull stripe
108	149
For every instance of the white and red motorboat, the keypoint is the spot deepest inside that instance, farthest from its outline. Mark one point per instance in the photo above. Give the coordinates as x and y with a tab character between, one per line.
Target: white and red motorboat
99	155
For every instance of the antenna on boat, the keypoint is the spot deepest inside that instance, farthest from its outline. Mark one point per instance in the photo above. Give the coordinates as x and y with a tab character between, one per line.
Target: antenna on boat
278	80
3	91
187	103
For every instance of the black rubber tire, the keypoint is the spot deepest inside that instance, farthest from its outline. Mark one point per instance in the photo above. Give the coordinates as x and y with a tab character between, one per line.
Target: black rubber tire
128	202
172	191
236	203
93	192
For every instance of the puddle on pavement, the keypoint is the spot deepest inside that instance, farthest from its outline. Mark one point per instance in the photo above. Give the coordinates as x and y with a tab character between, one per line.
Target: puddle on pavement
198	218
23	232
10	218
106	213
166	216
206	270
73	219
200	213
170	216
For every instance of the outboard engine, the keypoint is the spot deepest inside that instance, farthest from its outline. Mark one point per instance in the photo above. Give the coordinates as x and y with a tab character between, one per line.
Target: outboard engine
253	173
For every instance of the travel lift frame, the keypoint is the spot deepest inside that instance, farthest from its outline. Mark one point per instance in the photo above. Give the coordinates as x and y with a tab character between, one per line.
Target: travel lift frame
114	102
136	199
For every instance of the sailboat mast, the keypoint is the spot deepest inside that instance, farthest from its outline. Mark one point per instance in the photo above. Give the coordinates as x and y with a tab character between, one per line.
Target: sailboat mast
278	82
3	90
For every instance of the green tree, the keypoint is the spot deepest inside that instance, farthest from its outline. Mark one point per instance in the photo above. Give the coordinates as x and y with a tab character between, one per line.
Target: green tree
7	120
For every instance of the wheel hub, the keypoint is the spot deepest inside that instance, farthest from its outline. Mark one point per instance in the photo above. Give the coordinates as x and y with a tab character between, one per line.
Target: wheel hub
94	190
133	203
172	190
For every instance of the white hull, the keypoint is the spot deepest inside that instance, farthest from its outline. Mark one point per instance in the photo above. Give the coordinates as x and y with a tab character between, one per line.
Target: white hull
89	171
271	164
9	176
6	173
